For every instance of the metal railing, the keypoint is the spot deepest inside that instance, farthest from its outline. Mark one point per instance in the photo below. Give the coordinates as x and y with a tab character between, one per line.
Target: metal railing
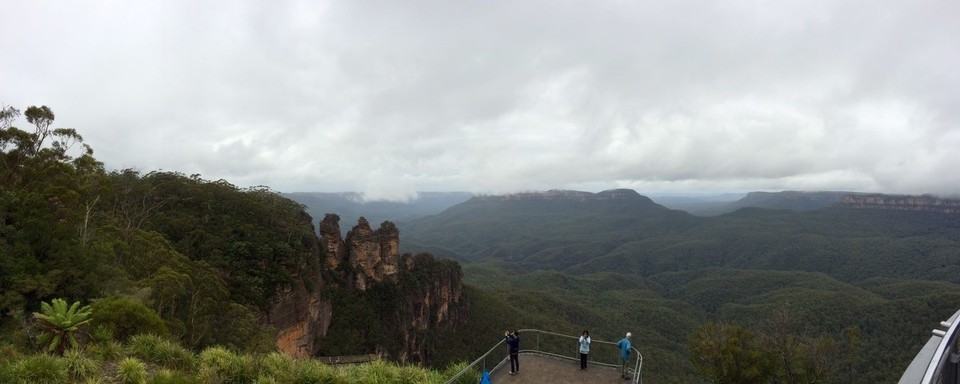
939	360
559	346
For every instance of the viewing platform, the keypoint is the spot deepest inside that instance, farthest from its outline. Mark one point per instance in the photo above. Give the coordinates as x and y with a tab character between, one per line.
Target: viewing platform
547	357
541	369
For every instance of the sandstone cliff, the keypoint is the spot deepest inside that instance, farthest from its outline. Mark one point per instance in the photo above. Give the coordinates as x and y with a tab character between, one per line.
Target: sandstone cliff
924	203
298	311
433	304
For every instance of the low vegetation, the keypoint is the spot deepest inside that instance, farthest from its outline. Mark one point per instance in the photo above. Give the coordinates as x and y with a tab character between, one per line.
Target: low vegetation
152	360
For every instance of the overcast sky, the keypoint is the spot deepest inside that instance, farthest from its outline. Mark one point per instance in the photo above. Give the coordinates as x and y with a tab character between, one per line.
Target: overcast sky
392	97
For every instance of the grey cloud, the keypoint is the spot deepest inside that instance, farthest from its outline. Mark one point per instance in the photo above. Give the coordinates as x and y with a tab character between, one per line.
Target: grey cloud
388	98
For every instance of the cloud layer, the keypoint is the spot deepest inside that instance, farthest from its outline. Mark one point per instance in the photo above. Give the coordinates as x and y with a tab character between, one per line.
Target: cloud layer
388	98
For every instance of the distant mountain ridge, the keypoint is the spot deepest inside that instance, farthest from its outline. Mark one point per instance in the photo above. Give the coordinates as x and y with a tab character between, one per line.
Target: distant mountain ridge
351	206
923	203
563	194
812	200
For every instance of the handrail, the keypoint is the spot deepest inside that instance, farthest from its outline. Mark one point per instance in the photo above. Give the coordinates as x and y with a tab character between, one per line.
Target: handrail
637	366
937	361
942	354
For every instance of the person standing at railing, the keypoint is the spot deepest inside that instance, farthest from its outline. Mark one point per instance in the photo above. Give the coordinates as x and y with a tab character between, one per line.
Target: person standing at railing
624	345
513	341
584	348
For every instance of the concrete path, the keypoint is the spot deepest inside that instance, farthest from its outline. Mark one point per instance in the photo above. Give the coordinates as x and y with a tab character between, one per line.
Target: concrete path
537	369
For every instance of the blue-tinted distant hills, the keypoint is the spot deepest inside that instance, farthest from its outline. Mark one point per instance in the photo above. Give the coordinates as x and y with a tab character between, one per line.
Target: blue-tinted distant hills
713	205
350	206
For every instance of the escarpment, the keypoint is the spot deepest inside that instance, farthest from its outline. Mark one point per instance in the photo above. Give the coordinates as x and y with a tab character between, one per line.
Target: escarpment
923	203
363	297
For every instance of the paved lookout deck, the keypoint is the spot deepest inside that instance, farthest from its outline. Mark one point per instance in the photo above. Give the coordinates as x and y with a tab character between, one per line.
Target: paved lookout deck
537	369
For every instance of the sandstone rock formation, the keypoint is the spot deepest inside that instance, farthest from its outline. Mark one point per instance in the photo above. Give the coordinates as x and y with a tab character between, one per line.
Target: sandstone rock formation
373	255
924	203
331	242
417	298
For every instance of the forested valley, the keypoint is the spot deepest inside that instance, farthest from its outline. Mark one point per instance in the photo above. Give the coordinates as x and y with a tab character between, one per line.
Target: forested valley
837	294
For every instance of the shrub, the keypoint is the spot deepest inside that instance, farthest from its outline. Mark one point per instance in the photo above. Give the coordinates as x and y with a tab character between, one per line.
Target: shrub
132	371
277	366
220	365
265	380
79	365
157	350
471	376
108	351
6	373
167	376
8	353
375	372
315	372
126	317
41	368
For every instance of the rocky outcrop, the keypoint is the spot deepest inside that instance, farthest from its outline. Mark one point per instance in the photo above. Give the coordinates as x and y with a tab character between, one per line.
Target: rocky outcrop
416	299
923	203
331	242
374	256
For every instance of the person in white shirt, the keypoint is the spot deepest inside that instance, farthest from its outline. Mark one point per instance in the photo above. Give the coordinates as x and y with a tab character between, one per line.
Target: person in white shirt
584	348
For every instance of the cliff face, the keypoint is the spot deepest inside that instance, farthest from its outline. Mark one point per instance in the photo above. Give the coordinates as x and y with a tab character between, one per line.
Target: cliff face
924	203
298	311
300	316
433	301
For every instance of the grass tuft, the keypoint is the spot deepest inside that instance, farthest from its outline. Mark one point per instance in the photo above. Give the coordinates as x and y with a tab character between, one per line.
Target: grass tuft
168	376
132	371
220	365
41	368
79	365
157	350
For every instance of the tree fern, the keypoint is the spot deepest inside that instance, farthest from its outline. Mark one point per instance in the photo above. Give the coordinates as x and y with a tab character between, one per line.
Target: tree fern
58	323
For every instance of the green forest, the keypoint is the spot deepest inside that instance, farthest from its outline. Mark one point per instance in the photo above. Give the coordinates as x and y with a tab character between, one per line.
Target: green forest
129	277
860	289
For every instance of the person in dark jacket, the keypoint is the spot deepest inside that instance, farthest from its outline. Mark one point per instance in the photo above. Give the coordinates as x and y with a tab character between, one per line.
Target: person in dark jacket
513	341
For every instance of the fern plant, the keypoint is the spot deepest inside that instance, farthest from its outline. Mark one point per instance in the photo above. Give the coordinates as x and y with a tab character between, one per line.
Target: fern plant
58	323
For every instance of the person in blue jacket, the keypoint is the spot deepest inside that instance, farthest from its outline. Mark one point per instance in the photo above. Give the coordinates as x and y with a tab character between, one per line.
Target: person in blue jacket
513	341
624	345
